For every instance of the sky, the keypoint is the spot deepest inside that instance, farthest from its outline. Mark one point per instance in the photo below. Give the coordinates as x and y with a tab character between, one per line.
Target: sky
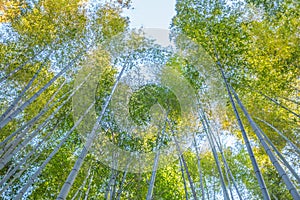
151	13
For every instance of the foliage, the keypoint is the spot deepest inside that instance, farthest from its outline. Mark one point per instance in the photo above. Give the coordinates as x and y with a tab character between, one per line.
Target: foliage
256	44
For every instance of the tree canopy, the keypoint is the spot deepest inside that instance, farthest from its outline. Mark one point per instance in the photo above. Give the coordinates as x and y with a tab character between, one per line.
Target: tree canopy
91	109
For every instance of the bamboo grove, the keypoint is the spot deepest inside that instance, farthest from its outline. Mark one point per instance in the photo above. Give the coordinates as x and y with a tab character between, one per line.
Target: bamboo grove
240	59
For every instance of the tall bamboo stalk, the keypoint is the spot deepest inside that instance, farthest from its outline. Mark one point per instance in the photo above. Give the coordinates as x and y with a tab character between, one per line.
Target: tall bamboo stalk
68	183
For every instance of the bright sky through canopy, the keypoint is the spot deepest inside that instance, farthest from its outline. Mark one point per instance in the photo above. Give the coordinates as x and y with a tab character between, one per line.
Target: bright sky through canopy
151	13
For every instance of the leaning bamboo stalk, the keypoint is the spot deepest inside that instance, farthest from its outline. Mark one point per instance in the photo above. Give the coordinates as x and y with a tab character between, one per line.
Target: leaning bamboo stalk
155	164
183	162
199	167
12	150
9	147
228	170
25	159
119	192
281	134
38	93
257	171
153	175
9	155
290	186
34	119
31	122
215	155
16	147
83	184
279	104
64	139
68	183
20	66
285	162
89	187
27	126
19	97
17	175
183	180
107	190
113	186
